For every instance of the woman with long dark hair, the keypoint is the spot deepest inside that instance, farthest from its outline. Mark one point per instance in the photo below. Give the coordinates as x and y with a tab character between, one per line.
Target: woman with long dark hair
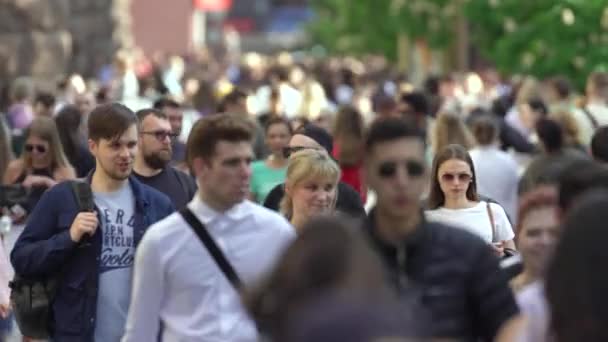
69	120
348	147
453	200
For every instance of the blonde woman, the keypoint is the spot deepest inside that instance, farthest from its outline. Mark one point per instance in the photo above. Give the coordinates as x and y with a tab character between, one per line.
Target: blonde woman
41	165
310	187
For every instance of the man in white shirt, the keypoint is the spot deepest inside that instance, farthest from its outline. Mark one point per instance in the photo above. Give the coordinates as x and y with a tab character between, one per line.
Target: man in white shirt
178	288
595	113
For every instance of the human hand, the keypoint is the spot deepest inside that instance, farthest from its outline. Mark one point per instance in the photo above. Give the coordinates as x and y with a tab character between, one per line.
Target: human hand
33	180
5	310
84	223
499	249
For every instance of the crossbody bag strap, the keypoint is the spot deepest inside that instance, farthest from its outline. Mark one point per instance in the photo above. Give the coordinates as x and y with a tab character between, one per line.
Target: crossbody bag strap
212	247
591	118
491	216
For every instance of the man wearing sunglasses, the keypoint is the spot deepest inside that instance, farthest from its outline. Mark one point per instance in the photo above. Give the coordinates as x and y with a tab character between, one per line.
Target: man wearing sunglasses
314	137
454	272
152	160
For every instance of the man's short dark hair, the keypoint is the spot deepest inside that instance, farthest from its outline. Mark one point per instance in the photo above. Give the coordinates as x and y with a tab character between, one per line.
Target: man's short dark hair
578	178
46	99
166	102
231	99
209	131
142	114
389	129
109	121
417	101
599	145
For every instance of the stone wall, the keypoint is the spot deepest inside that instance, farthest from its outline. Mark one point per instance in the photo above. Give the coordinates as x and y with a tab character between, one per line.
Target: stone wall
48	38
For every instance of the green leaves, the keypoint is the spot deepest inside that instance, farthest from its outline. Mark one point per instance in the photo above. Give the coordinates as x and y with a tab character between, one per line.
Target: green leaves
537	37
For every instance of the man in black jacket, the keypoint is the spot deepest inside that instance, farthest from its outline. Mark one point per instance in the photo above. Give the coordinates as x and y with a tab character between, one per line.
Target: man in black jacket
313	137
455	274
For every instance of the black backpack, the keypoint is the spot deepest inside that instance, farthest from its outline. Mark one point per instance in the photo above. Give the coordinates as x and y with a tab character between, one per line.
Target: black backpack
32	299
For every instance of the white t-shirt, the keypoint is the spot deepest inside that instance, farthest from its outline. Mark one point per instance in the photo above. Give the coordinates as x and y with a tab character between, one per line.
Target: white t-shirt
497	177
475	220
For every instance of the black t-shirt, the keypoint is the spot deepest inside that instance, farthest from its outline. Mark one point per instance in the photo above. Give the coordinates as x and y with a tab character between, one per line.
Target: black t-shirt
177	185
179	152
349	201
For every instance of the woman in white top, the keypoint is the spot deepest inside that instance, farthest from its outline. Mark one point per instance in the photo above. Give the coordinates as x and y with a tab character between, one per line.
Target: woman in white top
453	200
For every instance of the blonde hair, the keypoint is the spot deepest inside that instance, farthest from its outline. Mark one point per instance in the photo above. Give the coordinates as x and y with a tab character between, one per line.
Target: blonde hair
569	125
308	164
45	129
450	129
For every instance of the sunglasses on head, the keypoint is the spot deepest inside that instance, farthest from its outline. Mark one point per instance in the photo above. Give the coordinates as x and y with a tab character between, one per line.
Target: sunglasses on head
38	148
388	169
288	151
161	135
462	177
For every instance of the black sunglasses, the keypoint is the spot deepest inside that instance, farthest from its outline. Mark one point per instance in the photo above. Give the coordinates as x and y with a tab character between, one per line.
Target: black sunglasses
161	135
388	169
288	151
39	148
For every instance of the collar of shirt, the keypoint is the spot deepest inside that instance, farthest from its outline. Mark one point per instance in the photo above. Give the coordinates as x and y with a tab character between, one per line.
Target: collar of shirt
207	215
414	240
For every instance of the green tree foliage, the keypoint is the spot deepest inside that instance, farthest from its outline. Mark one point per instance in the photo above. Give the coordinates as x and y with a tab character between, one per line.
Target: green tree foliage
537	37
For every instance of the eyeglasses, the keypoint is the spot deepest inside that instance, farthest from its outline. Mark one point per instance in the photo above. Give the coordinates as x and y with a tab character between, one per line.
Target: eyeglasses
462	177
413	168
38	148
288	151
161	135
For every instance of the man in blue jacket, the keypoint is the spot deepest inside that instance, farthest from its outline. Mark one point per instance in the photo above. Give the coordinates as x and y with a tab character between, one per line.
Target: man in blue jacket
93	252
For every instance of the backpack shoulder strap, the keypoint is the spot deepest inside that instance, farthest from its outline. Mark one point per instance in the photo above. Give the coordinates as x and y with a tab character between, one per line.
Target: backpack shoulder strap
83	194
591	118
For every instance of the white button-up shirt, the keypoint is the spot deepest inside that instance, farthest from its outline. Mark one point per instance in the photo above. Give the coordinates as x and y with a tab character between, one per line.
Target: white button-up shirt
177	281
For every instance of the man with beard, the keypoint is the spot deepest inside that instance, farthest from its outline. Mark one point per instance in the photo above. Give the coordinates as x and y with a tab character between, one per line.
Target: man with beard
91	253
175	116
154	155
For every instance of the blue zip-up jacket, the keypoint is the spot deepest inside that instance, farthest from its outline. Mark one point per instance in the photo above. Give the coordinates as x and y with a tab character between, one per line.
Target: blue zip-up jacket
45	249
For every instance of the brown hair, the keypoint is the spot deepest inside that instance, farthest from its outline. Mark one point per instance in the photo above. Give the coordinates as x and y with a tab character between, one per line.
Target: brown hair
485	130
142	114
348	134
599	80
109	121
329	254
436	196
209	131
45	128
451	129
543	196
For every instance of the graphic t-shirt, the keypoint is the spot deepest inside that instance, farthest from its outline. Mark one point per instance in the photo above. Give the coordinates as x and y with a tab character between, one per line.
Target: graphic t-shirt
117	218
264	179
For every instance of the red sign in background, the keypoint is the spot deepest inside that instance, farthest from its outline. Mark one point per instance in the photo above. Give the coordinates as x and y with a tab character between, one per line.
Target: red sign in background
213	5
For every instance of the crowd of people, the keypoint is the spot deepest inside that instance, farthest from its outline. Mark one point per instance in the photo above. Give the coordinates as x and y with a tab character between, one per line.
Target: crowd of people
293	199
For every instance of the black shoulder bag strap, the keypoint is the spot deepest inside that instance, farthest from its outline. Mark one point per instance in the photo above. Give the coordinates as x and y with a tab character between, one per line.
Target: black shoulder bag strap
591	118
212	247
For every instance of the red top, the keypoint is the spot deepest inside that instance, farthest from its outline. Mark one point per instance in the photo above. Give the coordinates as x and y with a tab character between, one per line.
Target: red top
352	175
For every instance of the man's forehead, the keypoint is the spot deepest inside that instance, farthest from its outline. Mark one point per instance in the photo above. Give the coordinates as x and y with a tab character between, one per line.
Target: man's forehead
300	140
170	111
127	136
398	148
154	121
